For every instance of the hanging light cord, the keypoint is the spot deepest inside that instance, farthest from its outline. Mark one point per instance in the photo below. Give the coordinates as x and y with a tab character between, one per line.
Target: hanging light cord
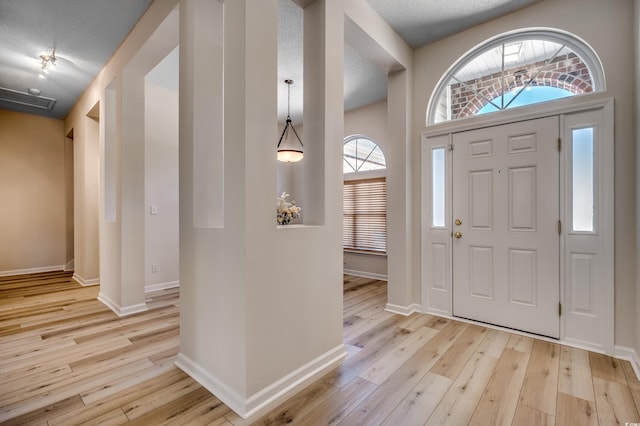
288	123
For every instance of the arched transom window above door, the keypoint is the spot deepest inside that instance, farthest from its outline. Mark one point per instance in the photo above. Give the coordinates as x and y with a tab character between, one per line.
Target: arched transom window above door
519	68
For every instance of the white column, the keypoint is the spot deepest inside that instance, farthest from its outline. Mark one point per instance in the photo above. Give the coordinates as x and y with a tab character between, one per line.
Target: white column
261	306
401	233
122	238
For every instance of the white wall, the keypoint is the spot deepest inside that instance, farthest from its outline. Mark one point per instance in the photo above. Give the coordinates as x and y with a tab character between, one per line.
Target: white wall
608	28
161	187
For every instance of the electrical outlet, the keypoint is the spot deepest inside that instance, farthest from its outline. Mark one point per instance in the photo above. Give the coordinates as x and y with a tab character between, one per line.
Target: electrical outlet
154	267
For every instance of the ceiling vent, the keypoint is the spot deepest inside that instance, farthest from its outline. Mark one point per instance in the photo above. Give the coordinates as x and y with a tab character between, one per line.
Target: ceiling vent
20	98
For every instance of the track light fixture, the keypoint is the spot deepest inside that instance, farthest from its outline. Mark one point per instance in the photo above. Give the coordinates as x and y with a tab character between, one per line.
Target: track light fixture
48	62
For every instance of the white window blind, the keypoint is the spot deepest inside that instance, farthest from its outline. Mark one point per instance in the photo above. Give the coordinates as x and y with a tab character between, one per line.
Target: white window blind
365	215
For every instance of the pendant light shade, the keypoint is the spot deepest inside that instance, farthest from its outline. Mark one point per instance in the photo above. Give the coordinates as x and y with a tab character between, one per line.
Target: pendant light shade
289	146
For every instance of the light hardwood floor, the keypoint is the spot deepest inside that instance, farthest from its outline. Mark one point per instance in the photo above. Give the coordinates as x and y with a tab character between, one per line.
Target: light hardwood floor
65	359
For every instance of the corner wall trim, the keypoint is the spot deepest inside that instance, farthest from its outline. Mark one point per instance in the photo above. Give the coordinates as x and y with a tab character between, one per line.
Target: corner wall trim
630	355
70	265
121	311
245	408
403	310
32	270
85	282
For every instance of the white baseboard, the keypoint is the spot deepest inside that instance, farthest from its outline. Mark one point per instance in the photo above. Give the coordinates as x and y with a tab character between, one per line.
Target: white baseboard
436	312
630	355
119	310
587	346
32	270
365	274
403	310
70	265
161	286
85	282
261	401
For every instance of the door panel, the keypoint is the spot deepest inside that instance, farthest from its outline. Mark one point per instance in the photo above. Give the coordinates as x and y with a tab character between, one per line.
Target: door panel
506	248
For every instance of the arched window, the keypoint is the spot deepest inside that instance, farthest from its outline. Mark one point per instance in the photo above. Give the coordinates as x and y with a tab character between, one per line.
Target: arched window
515	69
364	218
361	154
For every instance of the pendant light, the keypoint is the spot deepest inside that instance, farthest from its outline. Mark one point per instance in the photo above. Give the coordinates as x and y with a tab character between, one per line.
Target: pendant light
289	152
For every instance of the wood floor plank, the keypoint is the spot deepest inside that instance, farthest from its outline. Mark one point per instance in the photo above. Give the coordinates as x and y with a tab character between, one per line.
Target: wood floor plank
86	414
209	411
528	416
632	380
355	326
381	402
499	401
40	395
44	413
17	379
540	388
339	404
614	402
294	409
111	418
575	374
31	353
374	344
416	407
575	411
383	367
607	368
173	409
459	353
150	401
415	321
520	343
66	359
112	387
494	343
458	404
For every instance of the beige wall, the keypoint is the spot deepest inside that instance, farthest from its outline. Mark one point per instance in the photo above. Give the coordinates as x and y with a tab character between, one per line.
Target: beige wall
370	121
636	38
32	187
608	28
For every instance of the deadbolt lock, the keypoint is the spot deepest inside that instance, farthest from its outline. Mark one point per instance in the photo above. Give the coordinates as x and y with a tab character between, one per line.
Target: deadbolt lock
458	222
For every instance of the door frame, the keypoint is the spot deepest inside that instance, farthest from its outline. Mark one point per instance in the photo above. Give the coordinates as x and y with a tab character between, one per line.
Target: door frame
576	328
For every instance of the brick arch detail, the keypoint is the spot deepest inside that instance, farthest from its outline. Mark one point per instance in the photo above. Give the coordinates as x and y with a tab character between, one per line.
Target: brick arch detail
567	72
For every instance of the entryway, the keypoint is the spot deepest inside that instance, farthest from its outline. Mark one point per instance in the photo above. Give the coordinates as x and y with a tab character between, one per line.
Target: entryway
517	221
506	254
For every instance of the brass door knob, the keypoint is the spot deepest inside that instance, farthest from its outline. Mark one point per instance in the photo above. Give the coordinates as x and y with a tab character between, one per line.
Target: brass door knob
458	222
458	234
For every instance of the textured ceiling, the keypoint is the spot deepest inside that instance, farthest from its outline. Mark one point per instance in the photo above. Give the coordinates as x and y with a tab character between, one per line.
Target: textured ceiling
86	33
364	83
420	22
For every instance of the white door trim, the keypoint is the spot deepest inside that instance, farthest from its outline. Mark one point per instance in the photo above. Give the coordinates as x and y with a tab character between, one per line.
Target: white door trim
436	282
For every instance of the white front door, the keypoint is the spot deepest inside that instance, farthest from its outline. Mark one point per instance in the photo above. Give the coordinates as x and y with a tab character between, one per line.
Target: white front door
506	252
